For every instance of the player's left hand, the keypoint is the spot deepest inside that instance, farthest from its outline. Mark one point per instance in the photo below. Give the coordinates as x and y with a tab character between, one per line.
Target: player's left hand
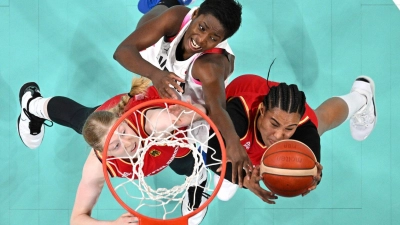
126	218
317	179
253	184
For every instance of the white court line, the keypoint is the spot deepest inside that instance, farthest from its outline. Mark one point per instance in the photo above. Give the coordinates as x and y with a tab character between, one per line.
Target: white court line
397	3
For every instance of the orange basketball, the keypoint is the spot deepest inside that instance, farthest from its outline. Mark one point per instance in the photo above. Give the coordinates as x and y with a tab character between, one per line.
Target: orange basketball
288	168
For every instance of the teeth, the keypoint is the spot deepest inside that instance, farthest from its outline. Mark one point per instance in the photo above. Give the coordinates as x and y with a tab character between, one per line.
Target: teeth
195	44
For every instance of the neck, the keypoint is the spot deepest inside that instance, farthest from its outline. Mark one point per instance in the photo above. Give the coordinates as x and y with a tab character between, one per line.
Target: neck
179	51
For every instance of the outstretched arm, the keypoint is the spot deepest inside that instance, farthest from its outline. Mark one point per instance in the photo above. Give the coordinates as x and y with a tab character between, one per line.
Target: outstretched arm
88	192
212	70
127	54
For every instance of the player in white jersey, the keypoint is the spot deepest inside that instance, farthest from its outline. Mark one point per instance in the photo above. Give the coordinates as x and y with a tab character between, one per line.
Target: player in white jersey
162	55
177	58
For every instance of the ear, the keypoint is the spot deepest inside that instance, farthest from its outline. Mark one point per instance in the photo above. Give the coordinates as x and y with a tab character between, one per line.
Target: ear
262	109
195	13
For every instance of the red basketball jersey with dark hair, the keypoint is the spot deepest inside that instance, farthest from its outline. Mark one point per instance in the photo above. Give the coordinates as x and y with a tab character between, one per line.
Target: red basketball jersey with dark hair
251	90
157	157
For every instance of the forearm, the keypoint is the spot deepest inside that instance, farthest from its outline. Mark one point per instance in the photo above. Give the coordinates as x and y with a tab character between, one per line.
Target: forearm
224	124
88	192
85	219
130	58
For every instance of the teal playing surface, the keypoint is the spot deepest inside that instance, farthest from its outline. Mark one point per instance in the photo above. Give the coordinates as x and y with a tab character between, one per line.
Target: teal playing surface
67	48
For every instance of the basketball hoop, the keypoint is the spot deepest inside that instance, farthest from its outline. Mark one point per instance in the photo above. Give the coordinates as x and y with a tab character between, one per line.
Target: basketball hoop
140	197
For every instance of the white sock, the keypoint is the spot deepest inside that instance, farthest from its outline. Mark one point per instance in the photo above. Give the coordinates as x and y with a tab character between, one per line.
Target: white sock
355	101
38	107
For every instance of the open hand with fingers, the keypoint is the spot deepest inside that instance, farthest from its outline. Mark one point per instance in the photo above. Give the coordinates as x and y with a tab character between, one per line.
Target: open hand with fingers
253	184
237	155
127	219
163	81
317	179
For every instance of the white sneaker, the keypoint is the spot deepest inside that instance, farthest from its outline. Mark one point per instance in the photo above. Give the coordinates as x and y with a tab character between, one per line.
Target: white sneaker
195	196
363	121
30	127
227	189
186	209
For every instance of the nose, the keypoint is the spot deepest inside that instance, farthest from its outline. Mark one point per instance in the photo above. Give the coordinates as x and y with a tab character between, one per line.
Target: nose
202	40
279	135
126	142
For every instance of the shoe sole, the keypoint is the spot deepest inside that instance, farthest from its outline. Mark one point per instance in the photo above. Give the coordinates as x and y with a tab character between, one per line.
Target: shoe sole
22	91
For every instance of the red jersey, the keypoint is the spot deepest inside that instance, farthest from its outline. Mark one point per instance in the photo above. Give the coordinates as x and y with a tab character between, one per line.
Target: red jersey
251	90
157	157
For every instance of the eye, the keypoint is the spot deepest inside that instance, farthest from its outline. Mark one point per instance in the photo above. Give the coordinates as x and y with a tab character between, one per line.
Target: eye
116	146
201	28
213	39
274	125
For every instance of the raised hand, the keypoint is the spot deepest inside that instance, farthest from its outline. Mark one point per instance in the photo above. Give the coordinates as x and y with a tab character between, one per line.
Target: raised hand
253	184
163	81
237	155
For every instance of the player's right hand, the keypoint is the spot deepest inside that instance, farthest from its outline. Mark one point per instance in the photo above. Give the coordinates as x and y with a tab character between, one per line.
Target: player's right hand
254	186
237	155
126	219
163	81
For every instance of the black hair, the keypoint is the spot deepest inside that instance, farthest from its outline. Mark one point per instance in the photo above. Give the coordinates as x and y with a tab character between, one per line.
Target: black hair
285	97
228	12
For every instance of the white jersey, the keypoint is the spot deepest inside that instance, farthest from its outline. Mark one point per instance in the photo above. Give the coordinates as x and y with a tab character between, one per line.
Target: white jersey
162	55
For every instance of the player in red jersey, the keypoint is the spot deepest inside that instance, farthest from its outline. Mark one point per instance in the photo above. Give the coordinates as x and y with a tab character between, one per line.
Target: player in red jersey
266	112
95	122
138	124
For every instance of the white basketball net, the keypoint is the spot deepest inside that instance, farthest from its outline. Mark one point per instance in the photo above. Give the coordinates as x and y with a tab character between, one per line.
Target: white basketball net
143	192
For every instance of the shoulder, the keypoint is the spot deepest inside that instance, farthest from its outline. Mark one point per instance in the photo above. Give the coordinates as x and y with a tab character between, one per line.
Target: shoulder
238	114
308	134
175	13
236	103
212	66
172	18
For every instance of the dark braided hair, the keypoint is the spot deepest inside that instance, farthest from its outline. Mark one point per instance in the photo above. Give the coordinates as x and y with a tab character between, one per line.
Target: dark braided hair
285	97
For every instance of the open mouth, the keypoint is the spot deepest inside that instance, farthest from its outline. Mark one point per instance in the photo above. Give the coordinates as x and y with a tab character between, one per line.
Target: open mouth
194	45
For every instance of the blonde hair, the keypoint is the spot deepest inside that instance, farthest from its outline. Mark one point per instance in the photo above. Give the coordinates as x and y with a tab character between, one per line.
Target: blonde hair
139	86
98	123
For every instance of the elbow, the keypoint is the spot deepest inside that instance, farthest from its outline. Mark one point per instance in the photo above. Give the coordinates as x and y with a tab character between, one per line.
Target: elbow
117	54
122	51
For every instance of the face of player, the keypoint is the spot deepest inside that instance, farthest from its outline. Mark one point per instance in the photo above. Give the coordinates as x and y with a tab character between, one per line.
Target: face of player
124	141
204	33
276	124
